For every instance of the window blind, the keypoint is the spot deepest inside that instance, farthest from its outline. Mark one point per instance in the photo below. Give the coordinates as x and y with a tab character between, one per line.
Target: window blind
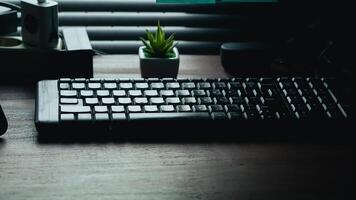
114	26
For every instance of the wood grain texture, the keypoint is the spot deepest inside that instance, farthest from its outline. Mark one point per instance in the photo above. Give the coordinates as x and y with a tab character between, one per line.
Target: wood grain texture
246	170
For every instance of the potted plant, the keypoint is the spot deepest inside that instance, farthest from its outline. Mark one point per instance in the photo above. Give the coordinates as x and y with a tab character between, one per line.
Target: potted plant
159	56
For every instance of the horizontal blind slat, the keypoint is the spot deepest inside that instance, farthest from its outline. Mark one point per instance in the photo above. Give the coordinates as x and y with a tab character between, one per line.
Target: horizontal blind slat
181	33
131	47
147	19
152	6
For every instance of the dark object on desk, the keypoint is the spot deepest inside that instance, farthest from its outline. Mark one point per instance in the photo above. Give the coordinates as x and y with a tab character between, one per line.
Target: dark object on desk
247	58
124	105
3	122
72	58
8	18
39	23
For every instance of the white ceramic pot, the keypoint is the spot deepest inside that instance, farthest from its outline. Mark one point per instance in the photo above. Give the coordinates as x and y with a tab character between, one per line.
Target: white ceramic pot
159	67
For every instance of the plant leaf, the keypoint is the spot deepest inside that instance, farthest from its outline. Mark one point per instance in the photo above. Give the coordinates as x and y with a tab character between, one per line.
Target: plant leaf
170	38
157	45
159	36
147	44
148	52
169	43
171	48
150	36
167	46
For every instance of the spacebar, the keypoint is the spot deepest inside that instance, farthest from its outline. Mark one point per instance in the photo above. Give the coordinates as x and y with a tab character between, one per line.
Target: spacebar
169	116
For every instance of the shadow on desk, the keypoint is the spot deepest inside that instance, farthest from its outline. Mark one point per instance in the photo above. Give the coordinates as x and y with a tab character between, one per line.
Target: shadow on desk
244	133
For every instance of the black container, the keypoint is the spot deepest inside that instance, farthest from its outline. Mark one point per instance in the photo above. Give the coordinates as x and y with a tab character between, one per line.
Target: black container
247	58
72	58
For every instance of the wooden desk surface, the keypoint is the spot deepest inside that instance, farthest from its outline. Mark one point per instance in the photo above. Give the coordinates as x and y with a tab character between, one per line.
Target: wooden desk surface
246	170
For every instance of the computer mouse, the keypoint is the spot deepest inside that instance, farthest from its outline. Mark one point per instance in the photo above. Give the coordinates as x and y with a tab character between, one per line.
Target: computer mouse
3	122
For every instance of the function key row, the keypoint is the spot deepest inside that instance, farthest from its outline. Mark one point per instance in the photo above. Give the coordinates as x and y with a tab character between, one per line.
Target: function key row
168	83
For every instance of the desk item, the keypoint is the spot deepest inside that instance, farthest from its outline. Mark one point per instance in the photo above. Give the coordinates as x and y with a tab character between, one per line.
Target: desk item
39	19
3	122
247	58
72	57
166	104
8	18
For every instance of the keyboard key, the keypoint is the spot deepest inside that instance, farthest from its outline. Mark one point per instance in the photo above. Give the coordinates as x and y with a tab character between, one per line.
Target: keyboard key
150	108
167	108
125	86
204	85
133	109
156	100
236	115
141	100
124	101
251	116
91	101
86	93
189	100
119	116
101	109
182	93
141	86
231	93
170	116
219	85
135	93
215	93
166	93
219	116
117	109
173	85
200	108
84	117
233	108
103	93
184	108
152	80
78	86
166	80
173	100
198	93
98	80
74	109
235	85
108	101
68	93
151	93
64	86
216	108
67	117
78	80
110	86
119	93
156	86
237	100
69	101
124	80
64	80
102	116
221	100
188	85
205	100
94	86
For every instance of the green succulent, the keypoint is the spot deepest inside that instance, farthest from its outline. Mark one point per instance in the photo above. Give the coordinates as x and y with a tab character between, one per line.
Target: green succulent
157	45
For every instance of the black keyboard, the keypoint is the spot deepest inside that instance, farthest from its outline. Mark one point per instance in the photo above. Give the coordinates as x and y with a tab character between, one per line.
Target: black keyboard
121	105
